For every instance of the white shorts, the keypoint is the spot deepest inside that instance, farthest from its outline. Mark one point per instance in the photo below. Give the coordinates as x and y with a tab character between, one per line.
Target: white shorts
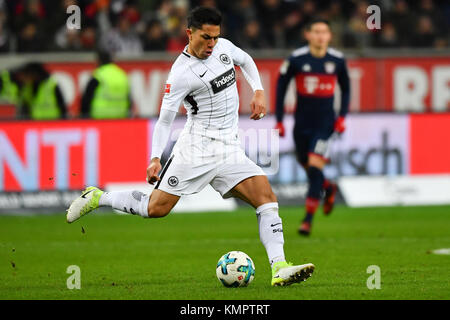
197	161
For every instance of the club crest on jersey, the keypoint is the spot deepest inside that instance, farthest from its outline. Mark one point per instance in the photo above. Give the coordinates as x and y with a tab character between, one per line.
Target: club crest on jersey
306	68
224	58
172	181
167	88
284	67
329	67
223	81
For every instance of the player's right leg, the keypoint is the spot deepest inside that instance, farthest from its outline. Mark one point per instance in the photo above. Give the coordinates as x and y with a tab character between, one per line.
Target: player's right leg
159	204
85	203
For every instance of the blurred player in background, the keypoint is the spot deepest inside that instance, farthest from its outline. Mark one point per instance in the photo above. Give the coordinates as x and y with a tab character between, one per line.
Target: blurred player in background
208	150
107	94
315	67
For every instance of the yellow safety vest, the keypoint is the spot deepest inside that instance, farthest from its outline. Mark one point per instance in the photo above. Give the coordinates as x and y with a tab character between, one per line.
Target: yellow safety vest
43	105
10	90
111	95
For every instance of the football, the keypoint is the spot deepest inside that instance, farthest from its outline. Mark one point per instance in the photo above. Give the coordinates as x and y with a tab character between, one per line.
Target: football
235	269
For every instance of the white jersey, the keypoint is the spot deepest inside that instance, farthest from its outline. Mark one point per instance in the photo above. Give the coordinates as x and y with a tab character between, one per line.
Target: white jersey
207	88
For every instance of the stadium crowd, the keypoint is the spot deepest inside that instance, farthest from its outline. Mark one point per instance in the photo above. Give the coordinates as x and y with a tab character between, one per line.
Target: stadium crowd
130	27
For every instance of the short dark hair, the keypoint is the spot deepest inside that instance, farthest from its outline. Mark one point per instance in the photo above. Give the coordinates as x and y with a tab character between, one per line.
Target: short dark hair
103	57
203	15
36	69
317	20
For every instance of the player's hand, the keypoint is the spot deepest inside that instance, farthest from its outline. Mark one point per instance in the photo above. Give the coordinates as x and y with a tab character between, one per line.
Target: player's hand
258	105
280	128
339	125
152	171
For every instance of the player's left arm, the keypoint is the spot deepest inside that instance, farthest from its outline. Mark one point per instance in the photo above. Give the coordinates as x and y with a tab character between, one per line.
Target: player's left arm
344	84
251	74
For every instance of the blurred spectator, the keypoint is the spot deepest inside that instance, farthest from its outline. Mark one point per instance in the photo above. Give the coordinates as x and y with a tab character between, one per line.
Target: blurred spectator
237	17
440	23
294	21
4	32
251	37
123	40
10	84
271	13
425	34
41	95
4	39
154	39
88	38
428	8
57	15
74	39
357	34
404	20
68	40
128	27
337	22
28	20
388	37
178	40
29	39
107	94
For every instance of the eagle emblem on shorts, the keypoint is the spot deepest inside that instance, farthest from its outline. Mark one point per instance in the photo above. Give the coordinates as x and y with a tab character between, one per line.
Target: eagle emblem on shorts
224	58
172	181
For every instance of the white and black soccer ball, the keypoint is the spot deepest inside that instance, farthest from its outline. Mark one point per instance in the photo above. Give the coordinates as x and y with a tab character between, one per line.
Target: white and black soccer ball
235	269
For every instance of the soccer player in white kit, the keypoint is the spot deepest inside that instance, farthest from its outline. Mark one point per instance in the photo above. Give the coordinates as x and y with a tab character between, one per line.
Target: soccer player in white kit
208	150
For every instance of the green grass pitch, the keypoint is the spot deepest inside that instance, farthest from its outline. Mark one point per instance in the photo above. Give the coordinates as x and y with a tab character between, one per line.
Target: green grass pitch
126	257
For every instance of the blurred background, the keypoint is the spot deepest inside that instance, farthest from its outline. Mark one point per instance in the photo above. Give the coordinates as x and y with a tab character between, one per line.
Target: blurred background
131	27
395	147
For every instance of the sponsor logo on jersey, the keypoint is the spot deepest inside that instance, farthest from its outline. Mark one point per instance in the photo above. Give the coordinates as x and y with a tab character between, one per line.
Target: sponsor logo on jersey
319	85
225	59
167	88
223	81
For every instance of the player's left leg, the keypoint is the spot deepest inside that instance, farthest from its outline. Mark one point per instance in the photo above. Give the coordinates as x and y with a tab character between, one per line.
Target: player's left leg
316	179
317	158
257	192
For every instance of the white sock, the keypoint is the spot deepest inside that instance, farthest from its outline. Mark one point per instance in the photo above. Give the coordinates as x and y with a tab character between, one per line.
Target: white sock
133	202
271	231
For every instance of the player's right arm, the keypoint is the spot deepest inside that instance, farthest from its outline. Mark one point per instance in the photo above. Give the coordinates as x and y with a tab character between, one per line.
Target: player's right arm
285	76
161	135
176	89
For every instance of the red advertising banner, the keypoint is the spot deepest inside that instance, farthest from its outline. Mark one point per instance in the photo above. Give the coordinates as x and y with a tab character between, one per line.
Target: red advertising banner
69	155
429	136
377	84
65	155
417	84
